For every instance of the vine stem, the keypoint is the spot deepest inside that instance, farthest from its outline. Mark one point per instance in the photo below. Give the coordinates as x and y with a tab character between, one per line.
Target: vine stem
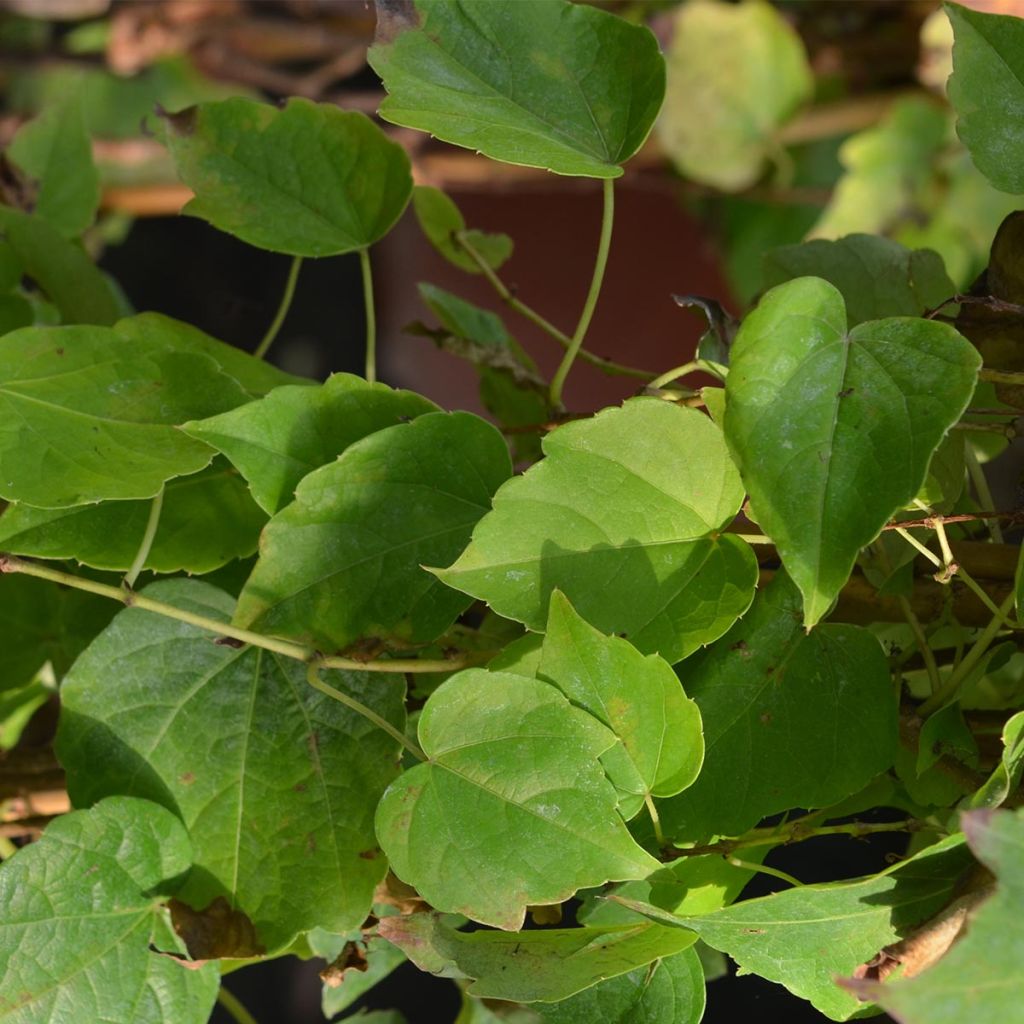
314	680
234	1006
981	488
505	294
764	869
282	310
9	563
674	374
603	247
371	315
655	820
148	536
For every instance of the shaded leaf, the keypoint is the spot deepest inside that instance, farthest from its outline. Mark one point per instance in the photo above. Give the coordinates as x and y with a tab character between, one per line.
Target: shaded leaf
215	932
308	179
1006	777
441	220
512	809
276	782
833	430
343	561
355	967
736	74
81	907
570	88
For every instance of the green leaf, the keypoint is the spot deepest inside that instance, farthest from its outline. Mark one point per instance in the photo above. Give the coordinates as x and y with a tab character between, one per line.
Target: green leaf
42	623
639	698
512	808
276	782
89	416
207	520
804	938
946	732
614	517
532	966
15	312
987	91
671	990
833	430
81	908
979	978
294	430
736	74
343	561
55	151
61	268
441	220
569	87
339	993
17	708
790	719
876	276
308	179
1007	775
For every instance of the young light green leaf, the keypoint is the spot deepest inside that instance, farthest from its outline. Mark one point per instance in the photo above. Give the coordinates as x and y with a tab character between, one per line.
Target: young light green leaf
804	938
671	990
307	180
294	430
736	74
516	767
207	520
55	151
79	290
877	277
531	966
441	221
343	561
17	706
81	908
833	430
570	88
790	719
639	698
276	782
1007	775
614	517
89	416
979	978
987	91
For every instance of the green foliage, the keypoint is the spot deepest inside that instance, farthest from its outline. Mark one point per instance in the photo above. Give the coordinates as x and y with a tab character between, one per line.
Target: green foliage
442	222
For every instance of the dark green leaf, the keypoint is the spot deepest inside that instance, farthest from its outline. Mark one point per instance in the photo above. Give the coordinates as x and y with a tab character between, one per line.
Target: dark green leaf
81	908
276	782
569	87
15	312
441	221
833	430
614	518
343	561
307	180
790	719
512	808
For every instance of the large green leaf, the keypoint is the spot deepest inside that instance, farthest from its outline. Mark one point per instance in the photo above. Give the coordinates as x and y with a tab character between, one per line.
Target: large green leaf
441	220
790	719
294	430
207	519
671	991
805	938
512	808
55	151
555	85
987	91
532	966
639	698
615	517
88	415
736	74
343	561
979	979
308	179
276	782
876	276
61	268
81	908
833	430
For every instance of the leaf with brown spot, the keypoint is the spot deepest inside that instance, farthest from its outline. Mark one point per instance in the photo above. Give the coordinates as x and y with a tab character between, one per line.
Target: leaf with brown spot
217	932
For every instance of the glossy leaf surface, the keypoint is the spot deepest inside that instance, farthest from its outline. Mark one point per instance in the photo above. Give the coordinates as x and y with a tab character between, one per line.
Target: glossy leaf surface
833	430
276	782
513	797
570	88
343	561
614	517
